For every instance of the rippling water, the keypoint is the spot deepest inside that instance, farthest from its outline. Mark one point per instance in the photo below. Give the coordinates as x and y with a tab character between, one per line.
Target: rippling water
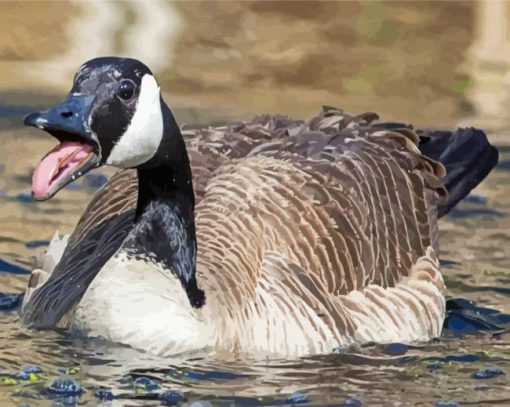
229	60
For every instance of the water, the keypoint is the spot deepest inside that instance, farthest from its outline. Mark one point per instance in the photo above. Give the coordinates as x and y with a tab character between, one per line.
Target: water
428	63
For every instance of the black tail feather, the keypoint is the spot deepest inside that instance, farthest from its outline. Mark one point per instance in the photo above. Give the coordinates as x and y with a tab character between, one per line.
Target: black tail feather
466	154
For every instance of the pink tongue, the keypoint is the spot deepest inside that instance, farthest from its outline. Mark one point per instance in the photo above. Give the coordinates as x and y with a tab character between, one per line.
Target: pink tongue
57	164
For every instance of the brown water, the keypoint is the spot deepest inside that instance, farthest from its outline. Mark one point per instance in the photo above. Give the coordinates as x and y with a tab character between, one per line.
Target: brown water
430	63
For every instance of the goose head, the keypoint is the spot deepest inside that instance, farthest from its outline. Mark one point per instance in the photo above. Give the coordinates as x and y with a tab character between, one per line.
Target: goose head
114	115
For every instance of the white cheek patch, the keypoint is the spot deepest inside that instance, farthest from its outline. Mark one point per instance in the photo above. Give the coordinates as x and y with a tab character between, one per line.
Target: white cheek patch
141	139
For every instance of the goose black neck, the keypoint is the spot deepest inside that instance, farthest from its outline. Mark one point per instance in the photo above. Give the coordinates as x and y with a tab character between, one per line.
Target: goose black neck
167	175
168	184
164	221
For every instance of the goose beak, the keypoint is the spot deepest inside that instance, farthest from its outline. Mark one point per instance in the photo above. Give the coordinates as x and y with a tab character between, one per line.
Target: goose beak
78	150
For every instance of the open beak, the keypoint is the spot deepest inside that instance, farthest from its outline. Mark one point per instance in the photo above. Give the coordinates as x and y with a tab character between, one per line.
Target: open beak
78	150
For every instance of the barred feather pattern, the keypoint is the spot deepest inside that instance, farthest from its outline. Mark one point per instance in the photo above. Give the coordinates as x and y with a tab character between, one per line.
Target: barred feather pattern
321	238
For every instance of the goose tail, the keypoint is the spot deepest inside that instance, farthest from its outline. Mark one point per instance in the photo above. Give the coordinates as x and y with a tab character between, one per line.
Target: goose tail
467	156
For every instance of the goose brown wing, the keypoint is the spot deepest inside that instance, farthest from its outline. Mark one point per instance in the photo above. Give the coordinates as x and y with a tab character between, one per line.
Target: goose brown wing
346	202
371	199
209	148
98	235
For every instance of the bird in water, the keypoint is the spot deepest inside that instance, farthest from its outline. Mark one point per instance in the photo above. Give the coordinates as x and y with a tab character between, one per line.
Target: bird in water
275	237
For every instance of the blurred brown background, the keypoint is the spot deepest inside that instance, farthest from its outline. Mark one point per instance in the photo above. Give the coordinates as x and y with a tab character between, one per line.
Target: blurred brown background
436	63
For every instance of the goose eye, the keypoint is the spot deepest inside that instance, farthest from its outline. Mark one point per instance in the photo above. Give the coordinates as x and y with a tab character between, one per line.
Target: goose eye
126	90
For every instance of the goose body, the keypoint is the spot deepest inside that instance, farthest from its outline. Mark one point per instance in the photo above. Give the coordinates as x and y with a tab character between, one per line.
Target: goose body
273	237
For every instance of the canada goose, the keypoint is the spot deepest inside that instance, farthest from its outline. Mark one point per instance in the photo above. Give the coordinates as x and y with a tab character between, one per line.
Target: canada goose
309	236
